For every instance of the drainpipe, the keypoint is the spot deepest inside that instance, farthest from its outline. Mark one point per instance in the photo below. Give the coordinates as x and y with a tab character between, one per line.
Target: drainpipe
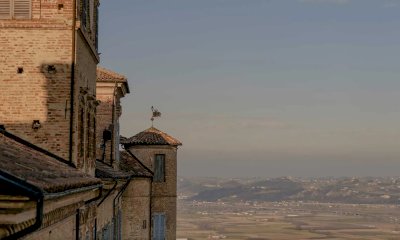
34	193
77	224
71	113
108	193
119	194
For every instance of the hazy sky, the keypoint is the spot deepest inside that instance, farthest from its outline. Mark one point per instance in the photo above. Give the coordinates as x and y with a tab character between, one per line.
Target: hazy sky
263	87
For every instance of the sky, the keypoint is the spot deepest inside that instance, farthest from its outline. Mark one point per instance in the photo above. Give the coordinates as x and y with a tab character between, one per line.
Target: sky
262	88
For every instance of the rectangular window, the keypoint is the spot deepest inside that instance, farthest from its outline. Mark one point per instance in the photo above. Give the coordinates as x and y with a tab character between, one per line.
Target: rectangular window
15	9
159	168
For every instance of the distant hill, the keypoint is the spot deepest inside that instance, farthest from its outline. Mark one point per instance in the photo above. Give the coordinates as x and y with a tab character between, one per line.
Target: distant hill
335	190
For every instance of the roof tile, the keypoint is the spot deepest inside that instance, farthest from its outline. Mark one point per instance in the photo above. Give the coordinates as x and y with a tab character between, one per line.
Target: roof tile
38	168
105	75
130	163
151	136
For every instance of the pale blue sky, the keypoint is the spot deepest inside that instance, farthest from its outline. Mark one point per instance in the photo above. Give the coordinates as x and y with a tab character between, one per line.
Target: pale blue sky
263	87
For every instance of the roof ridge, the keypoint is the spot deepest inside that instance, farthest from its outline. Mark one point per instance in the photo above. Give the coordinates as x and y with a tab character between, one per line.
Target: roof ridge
110	72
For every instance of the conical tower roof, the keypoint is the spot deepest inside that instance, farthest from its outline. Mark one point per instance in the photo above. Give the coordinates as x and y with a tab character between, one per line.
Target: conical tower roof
151	136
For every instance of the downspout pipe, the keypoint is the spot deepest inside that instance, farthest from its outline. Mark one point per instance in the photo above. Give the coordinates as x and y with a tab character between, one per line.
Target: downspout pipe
108	193
119	194
72	87
34	193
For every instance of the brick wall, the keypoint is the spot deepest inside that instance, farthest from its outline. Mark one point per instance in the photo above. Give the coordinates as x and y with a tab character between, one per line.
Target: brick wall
41	49
136	205
104	119
85	97
109	106
64	229
163	193
36	94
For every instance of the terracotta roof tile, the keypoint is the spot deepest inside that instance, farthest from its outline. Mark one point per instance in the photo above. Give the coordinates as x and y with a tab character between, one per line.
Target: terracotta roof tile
151	136
105	171
130	163
37	168
105	75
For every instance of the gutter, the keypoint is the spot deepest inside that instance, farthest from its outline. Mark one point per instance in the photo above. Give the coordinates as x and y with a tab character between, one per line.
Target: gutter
34	193
72	191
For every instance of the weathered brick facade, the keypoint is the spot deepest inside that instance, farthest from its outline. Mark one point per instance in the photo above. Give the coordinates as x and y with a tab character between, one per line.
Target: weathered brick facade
136	210
111	87
42	57
56	102
145	146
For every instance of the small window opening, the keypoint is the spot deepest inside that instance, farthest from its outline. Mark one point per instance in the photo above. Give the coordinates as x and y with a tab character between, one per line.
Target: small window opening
60	6
20	70
51	69
144	224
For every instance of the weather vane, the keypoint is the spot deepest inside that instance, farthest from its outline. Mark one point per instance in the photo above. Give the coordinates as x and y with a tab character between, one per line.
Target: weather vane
156	113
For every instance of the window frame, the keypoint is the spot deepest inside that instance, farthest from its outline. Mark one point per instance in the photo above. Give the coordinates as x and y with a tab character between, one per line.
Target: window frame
157	176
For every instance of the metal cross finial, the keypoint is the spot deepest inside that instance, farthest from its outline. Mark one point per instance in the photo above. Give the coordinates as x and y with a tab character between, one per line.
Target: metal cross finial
155	114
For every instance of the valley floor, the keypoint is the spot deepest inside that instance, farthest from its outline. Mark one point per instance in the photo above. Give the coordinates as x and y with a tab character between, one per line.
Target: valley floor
287	221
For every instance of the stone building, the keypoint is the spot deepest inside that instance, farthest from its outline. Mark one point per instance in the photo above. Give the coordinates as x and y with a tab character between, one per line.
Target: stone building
48	57
111	87
62	173
41	195
158	151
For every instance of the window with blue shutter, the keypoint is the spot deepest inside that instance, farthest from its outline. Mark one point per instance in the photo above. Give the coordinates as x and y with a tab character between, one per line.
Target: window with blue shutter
159	226
159	168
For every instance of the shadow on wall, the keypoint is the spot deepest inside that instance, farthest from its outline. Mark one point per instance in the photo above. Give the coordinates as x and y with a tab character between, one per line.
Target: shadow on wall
36	105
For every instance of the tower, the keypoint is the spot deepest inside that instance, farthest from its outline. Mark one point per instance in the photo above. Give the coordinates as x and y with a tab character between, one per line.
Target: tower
158	151
111	87
48	57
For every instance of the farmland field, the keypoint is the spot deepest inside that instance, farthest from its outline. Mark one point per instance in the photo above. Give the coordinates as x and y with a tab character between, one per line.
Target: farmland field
287	220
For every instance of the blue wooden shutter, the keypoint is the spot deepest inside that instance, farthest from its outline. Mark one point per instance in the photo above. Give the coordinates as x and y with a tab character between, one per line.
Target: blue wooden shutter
159	168
159	227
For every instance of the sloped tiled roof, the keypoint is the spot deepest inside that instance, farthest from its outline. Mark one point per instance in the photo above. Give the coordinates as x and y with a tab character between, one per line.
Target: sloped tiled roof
130	163
24	161
105	75
104	171
151	136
